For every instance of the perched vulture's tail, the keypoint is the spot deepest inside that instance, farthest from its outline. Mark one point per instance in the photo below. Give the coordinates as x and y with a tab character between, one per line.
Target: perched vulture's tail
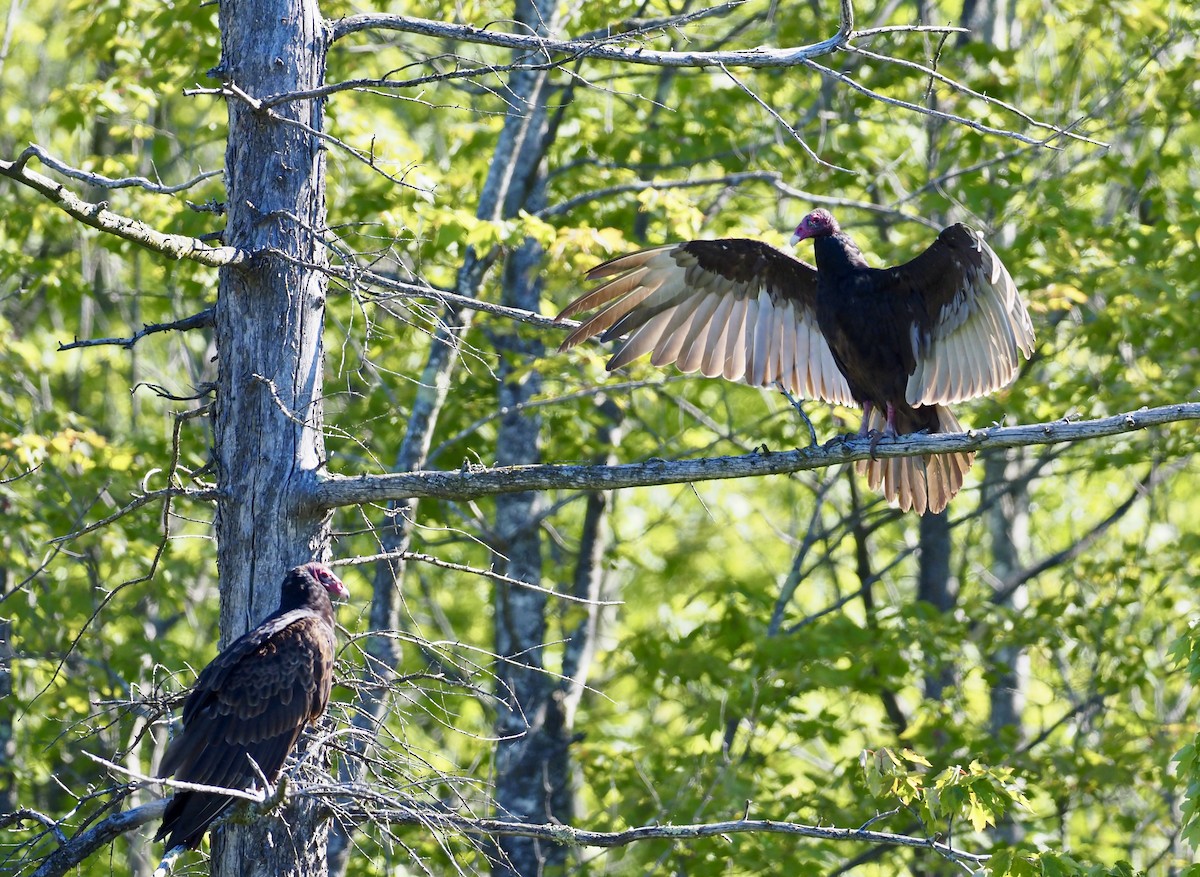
918	483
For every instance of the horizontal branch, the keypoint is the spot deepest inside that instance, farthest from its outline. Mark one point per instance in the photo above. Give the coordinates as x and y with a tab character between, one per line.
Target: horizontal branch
80	846
98	216
569	835
601	48
335	491
202	320
614	47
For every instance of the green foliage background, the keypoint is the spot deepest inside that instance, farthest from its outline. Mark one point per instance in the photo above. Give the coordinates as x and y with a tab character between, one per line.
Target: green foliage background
698	704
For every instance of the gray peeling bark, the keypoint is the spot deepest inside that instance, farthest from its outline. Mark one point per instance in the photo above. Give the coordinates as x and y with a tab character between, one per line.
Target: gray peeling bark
268	324
471	483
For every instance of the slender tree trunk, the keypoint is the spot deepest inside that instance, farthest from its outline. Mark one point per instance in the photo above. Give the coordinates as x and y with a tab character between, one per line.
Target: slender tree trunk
989	20
1008	528
590	573
937	587
503	193
532	772
532	769
269	320
7	746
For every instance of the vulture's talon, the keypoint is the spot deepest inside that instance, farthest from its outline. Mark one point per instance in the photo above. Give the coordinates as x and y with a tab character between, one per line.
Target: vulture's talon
876	437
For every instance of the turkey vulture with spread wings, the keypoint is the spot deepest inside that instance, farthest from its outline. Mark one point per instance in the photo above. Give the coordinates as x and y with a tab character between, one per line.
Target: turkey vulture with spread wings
252	702
901	342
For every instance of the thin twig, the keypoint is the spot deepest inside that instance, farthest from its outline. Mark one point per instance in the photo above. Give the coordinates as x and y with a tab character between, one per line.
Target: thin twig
166	493
232	88
940	114
486	573
778	118
27	813
357	277
256	797
970	92
102	182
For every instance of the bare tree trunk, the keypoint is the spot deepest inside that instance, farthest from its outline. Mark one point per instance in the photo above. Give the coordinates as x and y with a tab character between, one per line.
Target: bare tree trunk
532	764
7	746
937	587
990	20
1008	528
590	578
269	319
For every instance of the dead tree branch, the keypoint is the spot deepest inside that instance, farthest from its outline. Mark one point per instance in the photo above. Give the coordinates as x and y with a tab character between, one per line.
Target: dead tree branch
469	483
102	182
566	834
104	832
600	48
98	216
166	493
83	844
202	320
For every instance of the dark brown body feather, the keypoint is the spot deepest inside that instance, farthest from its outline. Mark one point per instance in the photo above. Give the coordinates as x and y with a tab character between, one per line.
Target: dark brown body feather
946	326
251	703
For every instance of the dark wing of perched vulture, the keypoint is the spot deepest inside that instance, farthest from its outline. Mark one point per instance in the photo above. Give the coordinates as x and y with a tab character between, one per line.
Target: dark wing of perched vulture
252	702
968	333
736	308
969	321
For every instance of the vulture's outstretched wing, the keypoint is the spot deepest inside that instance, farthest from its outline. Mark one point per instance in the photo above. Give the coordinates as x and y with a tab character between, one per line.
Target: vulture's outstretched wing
970	324
733	307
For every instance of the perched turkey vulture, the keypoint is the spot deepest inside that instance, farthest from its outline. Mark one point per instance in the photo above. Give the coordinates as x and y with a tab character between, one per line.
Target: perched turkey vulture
252	702
901	342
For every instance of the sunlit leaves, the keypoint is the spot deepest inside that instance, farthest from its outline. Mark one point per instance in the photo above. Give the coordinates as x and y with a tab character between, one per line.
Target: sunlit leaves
981	795
712	685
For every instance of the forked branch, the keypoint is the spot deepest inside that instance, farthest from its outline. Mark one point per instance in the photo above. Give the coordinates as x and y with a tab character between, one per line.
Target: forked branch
98	216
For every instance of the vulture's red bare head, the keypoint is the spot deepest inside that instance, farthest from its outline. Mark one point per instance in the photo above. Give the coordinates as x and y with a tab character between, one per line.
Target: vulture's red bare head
323	576
818	224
